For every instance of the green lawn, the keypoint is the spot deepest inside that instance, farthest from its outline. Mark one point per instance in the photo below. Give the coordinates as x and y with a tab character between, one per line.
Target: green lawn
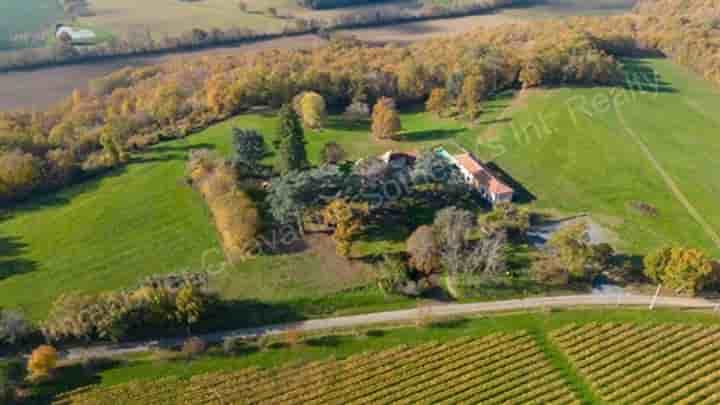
576	163
26	16
107	233
346	343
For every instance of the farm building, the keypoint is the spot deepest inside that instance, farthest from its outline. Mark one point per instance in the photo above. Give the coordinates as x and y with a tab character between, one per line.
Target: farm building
398	161
77	35
480	177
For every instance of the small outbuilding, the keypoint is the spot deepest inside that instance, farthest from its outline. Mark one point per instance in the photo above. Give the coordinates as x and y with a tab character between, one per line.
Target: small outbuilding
76	35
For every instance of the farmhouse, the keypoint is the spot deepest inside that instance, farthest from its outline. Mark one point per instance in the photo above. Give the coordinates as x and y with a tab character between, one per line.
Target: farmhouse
480	177
77	35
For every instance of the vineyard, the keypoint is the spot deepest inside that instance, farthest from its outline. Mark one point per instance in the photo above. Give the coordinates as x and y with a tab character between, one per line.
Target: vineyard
494	369
661	364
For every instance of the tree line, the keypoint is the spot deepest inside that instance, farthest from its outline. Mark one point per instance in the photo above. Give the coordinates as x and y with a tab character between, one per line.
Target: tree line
133	108
143	43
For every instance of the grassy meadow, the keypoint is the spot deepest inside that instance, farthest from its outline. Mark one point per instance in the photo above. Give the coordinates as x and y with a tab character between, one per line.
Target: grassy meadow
26	16
144	219
573	162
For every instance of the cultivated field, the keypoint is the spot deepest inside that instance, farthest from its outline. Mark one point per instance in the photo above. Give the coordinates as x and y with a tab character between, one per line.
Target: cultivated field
574	356
173	17
494	369
26	16
663	364
576	150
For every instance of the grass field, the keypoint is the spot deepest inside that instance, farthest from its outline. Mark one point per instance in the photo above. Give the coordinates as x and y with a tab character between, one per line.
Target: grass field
107	233
545	332
573	162
26	16
173	17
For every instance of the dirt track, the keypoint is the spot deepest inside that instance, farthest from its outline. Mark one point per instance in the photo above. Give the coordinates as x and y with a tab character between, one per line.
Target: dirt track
408	315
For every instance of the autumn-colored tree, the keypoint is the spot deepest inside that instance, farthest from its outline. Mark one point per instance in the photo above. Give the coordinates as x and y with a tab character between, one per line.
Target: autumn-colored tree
42	361
114	138
385	119
682	269
472	93
20	173
312	109
437	101
190	305
423	250
411	80
348	221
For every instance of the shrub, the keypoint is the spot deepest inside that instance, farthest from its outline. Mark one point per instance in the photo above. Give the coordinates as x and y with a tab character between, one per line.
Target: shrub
293	337
193	347
332	153
14	328
42	362
392	274
118	315
547	270
234	345
12	374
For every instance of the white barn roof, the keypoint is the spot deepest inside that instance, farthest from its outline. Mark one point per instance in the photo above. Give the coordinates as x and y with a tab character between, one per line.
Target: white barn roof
76	34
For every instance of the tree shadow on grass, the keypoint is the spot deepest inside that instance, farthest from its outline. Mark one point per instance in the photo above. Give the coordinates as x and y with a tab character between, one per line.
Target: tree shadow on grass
640	76
325	341
347	124
429	135
70	378
11	264
450	324
249	313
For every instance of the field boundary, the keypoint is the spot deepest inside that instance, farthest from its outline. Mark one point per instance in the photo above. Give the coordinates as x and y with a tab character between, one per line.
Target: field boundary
436	311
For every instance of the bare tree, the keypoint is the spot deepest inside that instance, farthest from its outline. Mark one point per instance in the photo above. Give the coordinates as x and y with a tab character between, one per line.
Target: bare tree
484	258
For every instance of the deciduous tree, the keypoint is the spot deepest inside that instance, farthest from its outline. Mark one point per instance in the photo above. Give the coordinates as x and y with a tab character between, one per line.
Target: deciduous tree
385	119
437	102
313	109
423	250
682	269
42	361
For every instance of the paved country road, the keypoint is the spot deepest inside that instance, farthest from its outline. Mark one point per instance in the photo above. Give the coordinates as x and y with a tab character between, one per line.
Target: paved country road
396	316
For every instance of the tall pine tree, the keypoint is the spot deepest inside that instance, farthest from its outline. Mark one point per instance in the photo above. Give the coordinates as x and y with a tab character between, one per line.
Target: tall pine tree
290	142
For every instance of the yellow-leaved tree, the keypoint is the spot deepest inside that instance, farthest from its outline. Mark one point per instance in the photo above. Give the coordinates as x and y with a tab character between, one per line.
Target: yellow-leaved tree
385	119
42	361
312	109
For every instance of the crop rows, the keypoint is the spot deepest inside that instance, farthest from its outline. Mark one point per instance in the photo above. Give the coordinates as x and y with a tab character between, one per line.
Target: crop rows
650	364
501	368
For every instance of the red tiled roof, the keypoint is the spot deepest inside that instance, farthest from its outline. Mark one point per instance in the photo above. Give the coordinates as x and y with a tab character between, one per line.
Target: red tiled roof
484	176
